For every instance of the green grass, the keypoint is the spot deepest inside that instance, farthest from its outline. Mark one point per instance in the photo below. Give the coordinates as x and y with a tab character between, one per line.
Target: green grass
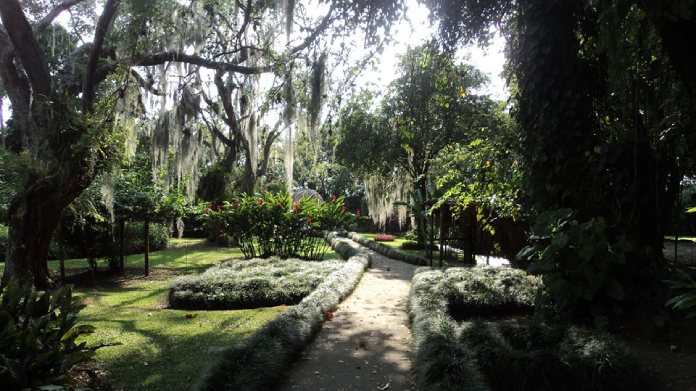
161	348
687	238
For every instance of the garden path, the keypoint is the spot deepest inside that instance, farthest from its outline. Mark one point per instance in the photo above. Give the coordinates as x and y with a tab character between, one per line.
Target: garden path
366	346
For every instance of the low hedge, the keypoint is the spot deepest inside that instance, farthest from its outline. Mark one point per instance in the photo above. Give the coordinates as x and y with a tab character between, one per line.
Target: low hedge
501	355
387	251
258	362
250	284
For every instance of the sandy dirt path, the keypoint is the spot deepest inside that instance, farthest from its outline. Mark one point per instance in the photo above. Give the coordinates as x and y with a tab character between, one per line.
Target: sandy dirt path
366	346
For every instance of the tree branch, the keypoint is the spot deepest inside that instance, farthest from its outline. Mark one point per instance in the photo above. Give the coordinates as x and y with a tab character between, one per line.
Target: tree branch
325	23
22	37
53	13
103	26
162	57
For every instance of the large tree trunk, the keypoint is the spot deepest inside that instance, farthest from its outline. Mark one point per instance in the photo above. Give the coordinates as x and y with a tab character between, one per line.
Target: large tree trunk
34	215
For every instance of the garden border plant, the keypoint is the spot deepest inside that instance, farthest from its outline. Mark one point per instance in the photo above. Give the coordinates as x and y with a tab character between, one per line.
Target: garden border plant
258	362
494	355
270	224
387	251
250	283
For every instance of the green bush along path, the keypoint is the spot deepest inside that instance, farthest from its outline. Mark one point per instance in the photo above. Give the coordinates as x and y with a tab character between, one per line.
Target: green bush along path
366	346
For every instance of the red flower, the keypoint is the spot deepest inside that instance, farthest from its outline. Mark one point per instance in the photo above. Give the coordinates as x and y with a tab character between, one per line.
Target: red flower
260	202
218	208
357	212
294	205
309	220
343	209
333	197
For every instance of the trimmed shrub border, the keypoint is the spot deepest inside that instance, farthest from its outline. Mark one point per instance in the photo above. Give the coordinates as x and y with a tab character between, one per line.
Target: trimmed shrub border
259	362
484	355
387	251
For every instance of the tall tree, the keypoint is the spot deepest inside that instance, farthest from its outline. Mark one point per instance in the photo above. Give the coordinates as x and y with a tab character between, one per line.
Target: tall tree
430	105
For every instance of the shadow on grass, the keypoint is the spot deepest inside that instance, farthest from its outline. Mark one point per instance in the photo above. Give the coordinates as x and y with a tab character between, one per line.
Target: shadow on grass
166	350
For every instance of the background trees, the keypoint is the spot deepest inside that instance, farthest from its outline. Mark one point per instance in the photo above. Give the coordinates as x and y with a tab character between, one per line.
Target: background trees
75	105
605	115
430	105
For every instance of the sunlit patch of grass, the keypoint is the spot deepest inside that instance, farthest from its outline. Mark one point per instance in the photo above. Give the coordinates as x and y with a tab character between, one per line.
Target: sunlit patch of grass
162	349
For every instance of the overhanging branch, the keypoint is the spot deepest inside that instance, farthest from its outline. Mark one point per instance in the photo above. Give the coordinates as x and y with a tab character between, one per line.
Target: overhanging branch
53	14
163	57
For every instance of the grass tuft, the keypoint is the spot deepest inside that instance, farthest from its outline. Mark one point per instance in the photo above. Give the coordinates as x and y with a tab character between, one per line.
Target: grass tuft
505	355
259	362
250	284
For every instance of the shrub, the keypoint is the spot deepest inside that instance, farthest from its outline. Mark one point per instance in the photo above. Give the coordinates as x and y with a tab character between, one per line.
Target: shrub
501	355
273	224
384	238
386	250
684	289
580	268
39	338
540	357
258	362
250	284
4	232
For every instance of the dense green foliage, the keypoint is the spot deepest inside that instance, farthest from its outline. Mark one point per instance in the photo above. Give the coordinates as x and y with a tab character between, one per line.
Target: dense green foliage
39	337
273	224
250	284
498	355
258	362
540	357
582	271
684	291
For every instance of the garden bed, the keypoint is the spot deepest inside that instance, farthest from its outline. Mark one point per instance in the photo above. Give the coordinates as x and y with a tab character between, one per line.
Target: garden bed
259	362
250	284
471	333
387	251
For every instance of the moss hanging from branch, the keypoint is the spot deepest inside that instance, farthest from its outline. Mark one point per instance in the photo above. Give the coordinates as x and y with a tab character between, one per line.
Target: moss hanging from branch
316	102
382	192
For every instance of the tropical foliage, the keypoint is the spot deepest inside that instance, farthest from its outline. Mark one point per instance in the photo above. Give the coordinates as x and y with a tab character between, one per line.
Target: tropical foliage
273	224
40	339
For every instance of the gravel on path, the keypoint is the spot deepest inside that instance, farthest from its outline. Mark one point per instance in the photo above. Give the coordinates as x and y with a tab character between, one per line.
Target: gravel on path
366	346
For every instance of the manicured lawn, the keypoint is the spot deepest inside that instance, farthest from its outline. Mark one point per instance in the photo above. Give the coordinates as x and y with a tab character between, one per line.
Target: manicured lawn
161	349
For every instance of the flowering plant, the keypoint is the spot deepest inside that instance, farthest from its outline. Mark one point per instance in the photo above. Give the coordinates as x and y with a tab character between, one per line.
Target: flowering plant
273	224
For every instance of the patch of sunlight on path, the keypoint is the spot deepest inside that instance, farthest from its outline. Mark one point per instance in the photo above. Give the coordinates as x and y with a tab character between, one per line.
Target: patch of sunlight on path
367	344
